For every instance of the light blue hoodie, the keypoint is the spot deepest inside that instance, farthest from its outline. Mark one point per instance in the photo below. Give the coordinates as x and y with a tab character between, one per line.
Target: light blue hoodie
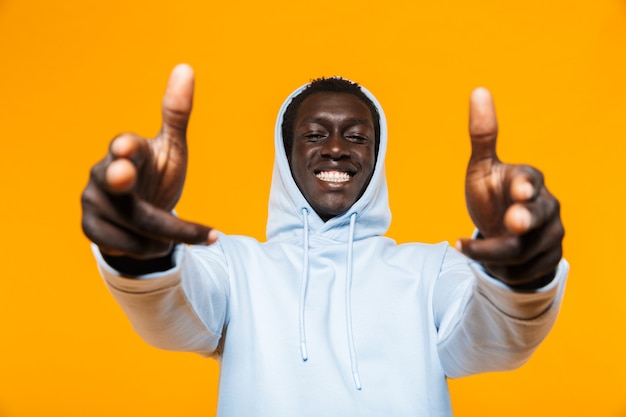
331	318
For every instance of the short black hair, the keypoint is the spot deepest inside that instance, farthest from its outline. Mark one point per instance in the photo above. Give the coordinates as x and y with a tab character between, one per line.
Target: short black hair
327	85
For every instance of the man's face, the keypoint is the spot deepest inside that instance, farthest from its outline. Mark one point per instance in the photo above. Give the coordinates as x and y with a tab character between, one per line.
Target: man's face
332	158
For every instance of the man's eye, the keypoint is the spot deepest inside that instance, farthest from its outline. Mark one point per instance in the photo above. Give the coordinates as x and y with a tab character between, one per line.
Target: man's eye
314	136
357	138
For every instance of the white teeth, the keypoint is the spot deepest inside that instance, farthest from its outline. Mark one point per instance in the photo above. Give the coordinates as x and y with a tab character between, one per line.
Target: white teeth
333	176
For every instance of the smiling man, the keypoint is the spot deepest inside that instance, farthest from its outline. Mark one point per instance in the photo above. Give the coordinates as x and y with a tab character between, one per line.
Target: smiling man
328	317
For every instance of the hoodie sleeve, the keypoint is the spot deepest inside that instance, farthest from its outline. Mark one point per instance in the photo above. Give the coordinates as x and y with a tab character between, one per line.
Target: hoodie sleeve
181	309
483	325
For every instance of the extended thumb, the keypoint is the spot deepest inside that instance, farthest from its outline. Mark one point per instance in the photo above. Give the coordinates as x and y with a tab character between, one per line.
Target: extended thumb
177	101
483	124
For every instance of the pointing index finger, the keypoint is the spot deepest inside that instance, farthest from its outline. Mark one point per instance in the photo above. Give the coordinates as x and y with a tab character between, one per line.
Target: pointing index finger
483	124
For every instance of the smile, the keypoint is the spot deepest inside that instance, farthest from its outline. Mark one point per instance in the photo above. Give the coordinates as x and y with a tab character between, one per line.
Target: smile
333	176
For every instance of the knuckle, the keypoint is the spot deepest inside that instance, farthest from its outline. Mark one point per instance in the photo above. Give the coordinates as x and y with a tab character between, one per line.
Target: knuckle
95	173
176	117
533	174
143	219
557	207
516	249
91	204
560	232
93	228
88	196
87	225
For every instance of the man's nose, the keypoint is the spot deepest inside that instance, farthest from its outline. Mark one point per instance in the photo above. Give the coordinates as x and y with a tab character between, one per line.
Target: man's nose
335	146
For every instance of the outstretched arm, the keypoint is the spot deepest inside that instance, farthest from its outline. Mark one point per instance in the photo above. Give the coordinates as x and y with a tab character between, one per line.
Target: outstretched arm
128	201
483	325
127	213
521	233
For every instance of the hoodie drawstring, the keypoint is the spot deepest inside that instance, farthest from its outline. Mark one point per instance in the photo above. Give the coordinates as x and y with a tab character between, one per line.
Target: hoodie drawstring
348	298
353	358
304	284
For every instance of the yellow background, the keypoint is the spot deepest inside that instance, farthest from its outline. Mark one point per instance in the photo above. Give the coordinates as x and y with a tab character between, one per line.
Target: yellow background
75	73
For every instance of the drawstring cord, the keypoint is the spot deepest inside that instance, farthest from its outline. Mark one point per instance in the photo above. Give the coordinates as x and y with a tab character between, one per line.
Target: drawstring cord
352	349
304	283
348	300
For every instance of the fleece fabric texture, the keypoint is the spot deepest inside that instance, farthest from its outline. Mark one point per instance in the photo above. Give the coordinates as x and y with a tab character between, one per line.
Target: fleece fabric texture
332	318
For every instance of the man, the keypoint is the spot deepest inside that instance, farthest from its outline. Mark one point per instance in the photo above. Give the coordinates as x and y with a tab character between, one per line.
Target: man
328	317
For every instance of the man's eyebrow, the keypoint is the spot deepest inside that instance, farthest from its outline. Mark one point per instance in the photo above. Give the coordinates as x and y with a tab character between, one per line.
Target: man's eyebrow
321	119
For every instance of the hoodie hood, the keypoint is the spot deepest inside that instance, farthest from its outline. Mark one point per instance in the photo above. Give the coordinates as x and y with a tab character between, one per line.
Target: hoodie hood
286	202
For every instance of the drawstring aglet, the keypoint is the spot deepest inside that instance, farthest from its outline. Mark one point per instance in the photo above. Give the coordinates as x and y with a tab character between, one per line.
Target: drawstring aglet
303	352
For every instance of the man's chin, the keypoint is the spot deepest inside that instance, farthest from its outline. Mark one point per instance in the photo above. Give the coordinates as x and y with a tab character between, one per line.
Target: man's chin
329	211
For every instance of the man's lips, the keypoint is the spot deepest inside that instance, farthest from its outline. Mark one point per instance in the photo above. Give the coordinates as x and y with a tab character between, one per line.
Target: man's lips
333	176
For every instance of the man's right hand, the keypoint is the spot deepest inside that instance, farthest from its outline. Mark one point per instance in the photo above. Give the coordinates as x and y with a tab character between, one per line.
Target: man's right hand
127	204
